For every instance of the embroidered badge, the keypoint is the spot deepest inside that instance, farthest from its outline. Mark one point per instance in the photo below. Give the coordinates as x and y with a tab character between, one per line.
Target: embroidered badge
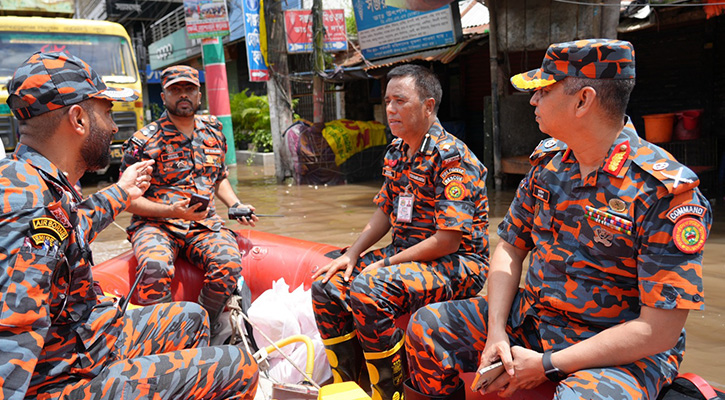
213	150
455	190
172	156
617	205
660	166
453	170
417	178
689	235
550	143
451	159
47	230
391	163
541	193
56	209
210	141
687	209
452	178
387	171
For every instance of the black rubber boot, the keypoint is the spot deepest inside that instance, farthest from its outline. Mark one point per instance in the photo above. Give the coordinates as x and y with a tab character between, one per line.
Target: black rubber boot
214	304
346	358
413	394
387	370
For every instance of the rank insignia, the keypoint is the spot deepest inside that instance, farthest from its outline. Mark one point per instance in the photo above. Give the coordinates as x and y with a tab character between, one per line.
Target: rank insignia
616	160
689	235
455	190
210	141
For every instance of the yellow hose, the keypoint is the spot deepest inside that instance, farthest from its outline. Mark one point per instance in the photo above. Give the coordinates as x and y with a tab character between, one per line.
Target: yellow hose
310	364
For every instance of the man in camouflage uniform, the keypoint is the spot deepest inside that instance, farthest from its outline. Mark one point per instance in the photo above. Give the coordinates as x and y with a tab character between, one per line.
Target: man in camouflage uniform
434	199
614	227
60	337
189	151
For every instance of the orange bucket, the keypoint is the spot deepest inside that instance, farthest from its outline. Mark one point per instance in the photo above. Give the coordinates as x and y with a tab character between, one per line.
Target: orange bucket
658	127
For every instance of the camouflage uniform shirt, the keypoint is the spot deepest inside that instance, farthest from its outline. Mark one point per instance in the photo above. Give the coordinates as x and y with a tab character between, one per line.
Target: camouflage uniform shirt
629	234
183	166
447	183
54	328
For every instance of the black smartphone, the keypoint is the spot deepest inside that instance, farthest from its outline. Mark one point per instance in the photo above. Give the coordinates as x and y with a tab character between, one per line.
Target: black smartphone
486	375
199	199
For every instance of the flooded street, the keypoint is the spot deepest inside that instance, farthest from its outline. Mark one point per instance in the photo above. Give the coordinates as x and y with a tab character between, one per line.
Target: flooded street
336	214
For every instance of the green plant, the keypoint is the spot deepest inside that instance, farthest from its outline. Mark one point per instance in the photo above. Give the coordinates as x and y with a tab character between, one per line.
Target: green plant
250	118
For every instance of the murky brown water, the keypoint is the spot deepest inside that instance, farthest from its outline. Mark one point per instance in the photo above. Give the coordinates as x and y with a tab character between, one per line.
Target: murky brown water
336	214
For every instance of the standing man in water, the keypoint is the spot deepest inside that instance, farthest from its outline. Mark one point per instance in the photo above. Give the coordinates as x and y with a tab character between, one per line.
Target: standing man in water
60	338
434	199
189	152
614	228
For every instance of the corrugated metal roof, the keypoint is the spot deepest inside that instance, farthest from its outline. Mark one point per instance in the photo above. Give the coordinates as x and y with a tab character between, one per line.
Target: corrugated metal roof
473	14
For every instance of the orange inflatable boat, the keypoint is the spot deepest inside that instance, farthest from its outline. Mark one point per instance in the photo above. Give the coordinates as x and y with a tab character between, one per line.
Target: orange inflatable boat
266	258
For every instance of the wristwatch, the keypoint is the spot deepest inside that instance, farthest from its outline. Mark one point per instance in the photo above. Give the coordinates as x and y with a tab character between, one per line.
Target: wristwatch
552	373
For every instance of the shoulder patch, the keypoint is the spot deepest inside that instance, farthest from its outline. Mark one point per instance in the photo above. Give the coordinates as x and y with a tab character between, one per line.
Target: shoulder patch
686	209
689	235
455	190
48	230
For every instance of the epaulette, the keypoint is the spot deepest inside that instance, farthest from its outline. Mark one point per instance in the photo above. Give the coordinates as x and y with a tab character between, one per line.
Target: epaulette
546	147
211	120
143	135
676	177
448	150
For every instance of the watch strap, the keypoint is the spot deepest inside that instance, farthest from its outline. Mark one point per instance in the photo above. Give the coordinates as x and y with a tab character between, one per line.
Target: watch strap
552	373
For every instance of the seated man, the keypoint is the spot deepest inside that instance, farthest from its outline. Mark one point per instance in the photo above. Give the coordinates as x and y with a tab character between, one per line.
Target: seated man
189	151
434	198
61	339
615	229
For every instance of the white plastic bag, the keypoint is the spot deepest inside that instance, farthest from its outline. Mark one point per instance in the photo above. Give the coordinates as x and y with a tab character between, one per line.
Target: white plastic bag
281	314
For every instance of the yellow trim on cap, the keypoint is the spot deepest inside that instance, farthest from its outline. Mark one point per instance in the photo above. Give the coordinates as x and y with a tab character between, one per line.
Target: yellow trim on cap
522	83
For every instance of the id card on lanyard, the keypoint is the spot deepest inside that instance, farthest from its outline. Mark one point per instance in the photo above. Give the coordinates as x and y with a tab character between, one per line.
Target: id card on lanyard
405	206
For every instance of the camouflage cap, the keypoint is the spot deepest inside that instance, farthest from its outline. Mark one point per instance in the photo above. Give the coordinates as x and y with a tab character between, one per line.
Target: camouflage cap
49	81
590	58
179	73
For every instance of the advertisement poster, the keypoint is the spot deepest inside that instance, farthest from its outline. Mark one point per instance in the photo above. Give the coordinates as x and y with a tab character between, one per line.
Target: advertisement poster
206	18
257	67
54	6
298	25
385	31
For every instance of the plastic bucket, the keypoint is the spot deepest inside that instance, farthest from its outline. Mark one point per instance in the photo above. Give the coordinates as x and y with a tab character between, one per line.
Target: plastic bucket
690	119
658	127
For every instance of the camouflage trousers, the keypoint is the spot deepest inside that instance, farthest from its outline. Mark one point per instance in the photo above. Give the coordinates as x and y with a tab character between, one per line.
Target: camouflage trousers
163	353
370	303
157	247
446	339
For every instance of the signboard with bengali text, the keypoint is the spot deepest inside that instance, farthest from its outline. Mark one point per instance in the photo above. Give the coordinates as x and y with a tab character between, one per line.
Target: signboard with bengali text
206	18
258	71
298	28
386	31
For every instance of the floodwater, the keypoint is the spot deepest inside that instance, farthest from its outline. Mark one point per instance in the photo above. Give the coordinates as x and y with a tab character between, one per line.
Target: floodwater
336	214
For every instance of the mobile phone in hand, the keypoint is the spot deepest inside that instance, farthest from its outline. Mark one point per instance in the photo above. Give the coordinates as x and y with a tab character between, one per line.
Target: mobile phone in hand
199	199
486	375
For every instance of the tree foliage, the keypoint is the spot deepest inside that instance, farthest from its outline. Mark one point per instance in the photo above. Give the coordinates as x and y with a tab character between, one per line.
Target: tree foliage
250	118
